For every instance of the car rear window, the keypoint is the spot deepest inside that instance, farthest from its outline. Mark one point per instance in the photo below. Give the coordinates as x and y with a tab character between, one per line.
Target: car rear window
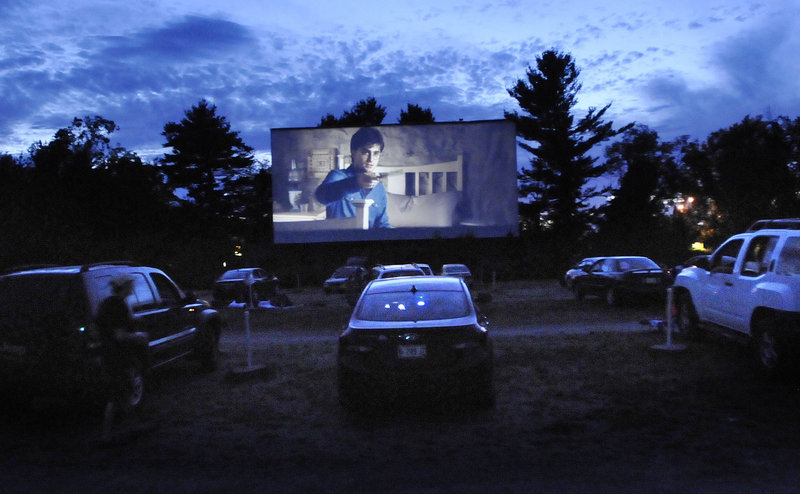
409	306
636	263
233	275
398	274
42	297
343	272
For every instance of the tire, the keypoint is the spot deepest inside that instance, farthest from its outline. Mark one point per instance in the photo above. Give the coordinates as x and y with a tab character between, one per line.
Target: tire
612	296
209	355
577	293
134	387
687	320
768	351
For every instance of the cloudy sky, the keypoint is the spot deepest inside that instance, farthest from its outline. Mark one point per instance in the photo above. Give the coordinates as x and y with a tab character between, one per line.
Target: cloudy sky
682	67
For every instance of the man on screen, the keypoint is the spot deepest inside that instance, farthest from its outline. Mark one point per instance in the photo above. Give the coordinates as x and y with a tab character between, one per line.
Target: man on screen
358	181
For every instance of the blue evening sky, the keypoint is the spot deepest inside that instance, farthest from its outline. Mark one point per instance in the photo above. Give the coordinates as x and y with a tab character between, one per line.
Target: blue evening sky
682	67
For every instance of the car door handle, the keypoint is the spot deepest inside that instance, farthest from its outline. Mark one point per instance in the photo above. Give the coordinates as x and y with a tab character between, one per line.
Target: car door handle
728	283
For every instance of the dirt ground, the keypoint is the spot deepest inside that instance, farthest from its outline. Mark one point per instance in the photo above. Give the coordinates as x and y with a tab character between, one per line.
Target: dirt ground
581	407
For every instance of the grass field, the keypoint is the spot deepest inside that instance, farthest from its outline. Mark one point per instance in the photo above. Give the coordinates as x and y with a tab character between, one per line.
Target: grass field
588	412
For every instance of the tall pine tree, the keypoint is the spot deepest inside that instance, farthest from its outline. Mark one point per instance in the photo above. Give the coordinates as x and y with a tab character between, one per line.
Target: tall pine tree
557	187
204	146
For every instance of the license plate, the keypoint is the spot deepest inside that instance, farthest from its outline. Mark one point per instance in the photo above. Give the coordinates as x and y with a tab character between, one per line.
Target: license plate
411	351
651	281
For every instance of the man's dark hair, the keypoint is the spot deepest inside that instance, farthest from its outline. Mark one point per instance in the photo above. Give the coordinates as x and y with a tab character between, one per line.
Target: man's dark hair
365	136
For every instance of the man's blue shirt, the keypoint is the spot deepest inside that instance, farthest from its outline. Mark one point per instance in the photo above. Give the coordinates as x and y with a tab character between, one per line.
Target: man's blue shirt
338	190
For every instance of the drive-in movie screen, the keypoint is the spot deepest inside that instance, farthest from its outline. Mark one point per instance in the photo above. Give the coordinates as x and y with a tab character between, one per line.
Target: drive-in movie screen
442	180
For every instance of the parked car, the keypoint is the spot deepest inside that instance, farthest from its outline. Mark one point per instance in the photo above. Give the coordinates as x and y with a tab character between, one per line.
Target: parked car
457	270
577	270
616	278
414	336
749	288
378	272
426	268
50	344
245	285
337	282
382	271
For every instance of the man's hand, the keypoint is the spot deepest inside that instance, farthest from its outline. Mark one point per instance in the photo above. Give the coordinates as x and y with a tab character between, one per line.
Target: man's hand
367	180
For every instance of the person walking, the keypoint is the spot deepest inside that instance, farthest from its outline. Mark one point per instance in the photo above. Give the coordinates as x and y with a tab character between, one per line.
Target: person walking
115	322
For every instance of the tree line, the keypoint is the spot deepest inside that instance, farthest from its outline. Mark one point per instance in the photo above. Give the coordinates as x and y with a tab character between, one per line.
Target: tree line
207	204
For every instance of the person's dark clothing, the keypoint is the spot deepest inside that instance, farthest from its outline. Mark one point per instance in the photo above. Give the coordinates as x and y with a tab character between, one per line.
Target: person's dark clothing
113	315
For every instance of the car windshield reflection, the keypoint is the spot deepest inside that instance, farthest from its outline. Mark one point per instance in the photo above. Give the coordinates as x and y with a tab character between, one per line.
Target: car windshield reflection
414	306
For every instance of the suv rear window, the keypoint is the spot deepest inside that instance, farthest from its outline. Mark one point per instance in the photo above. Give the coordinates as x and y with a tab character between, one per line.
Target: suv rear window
45	296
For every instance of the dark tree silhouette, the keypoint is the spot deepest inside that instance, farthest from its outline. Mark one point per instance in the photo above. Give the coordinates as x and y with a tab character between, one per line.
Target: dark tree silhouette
415	115
750	172
634	220
365	113
557	183
203	146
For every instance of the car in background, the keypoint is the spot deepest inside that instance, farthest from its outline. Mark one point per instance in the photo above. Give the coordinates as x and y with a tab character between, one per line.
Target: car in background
457	270
382	271
337	282
411	337
248	286
50	345
622	277
577	270
378	272
426	268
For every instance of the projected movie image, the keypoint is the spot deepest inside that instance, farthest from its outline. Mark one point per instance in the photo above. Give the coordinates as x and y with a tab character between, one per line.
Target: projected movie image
386	182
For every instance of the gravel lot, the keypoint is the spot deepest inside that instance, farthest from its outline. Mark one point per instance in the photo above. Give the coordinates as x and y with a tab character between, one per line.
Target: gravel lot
584	404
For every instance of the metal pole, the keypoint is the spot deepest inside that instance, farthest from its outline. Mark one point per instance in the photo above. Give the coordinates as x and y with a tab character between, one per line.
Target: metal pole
247	338
669	345
670	301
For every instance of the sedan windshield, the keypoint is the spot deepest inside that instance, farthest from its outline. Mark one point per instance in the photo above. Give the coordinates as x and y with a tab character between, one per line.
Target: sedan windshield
414	306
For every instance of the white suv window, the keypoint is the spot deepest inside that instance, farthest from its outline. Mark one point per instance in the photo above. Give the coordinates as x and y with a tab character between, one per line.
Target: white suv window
758	255
725	257
789	260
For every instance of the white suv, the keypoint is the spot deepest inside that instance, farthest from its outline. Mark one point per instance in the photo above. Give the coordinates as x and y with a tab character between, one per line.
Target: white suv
749	287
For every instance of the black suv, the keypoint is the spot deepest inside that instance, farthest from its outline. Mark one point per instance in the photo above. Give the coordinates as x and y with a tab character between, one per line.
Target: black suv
50	344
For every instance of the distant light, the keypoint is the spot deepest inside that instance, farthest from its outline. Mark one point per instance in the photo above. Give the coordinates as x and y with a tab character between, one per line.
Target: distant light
420	303
401	306
82	329
698	246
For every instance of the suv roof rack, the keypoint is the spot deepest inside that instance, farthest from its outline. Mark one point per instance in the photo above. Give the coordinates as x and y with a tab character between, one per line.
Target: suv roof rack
780	223
87	267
